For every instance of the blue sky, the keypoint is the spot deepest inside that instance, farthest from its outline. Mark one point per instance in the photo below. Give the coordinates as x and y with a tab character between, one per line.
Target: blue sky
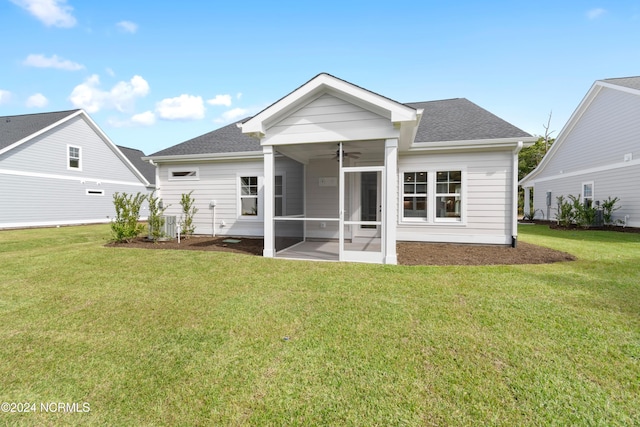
154	74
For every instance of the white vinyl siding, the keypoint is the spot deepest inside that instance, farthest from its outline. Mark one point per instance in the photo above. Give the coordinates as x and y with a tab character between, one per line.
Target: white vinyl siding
219	181
329	118
485	194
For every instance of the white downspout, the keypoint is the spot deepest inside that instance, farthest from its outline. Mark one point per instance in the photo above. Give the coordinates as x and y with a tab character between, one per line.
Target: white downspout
514	196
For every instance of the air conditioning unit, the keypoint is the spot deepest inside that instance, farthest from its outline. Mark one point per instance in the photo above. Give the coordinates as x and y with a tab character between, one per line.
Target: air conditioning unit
168	230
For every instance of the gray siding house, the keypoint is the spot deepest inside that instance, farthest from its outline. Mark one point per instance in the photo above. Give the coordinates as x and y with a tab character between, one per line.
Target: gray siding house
335	171
596	155
59	168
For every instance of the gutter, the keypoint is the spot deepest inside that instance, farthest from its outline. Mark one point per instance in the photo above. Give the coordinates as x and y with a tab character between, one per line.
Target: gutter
514	195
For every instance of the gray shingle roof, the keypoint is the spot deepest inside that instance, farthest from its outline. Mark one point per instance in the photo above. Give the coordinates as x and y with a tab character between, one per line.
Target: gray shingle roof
15	128
145	168
630	82
228	139
461	120
447	120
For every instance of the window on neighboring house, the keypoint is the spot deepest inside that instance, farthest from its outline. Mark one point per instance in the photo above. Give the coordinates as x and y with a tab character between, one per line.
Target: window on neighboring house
587	194
414	195
448	194
279	195
249	195
186	174
73	157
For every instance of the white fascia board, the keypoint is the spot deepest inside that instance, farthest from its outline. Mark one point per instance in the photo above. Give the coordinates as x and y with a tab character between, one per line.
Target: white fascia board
114	148
241	155
472	144
580	172
326	83
568	127
41	131
618	87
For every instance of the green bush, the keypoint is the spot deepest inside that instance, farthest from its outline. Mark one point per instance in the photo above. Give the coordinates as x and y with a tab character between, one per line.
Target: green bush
126	226
156	218
566	215
188	212
584	213
608	208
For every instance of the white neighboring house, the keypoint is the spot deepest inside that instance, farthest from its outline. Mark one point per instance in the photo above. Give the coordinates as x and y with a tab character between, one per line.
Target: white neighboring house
334	171
596	155
59	168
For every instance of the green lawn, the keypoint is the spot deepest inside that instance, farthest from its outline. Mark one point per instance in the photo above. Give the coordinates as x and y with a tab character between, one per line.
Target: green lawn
198	338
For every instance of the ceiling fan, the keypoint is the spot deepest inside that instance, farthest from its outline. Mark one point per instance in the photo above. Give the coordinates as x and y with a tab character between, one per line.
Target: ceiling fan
351	154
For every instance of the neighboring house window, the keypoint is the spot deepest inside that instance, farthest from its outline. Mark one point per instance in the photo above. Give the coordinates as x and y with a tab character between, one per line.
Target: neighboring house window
279	195
587	194
249	195
73	157
184	174
414	195
448	194
95	192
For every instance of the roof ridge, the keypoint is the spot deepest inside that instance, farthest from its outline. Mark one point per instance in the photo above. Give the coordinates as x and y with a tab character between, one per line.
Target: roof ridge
41	114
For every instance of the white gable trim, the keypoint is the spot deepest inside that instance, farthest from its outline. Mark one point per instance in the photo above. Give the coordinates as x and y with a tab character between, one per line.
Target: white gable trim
325	83
40	132
571	123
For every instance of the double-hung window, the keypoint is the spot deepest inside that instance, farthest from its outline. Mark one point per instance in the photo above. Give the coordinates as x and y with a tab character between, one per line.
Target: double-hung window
249	196
414	195
73	157
448	195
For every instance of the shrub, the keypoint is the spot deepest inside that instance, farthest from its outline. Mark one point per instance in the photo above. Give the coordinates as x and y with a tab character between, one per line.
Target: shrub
125	226
156	218
565	215
188	212
608	208
584	214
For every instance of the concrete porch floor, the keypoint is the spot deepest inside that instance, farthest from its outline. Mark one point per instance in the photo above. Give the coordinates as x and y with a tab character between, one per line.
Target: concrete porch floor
328	250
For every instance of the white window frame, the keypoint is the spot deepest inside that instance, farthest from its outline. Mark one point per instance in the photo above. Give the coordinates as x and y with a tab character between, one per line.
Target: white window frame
69	158
191	174
593	193
258	197
282	196
436	218
431	218
94	192
426	194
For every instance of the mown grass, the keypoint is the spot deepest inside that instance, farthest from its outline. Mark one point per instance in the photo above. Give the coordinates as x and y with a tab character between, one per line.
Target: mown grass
204	338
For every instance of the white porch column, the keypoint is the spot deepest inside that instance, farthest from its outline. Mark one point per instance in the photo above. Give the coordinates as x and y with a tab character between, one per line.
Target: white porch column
390	207
268	184
527	204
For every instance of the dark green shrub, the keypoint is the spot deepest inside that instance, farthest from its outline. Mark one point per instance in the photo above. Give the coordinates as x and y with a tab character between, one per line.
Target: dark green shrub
565	215
584	213
126	226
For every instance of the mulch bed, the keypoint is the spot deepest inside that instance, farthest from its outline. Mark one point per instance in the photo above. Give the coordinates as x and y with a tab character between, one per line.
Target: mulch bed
409	253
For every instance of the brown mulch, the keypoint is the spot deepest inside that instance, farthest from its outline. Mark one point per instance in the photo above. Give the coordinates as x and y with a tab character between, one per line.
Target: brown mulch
409	253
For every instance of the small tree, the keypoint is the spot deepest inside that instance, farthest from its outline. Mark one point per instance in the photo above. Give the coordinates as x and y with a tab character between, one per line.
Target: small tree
565	215
156	218
188	212
125	226
608	208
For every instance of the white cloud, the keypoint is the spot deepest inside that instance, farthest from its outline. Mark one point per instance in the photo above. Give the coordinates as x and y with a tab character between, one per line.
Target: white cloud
42	61
37	100
146	119
595	13
52	13
128	26
122	96
220	100
239	95
5	95
110	72
183	107
231	115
